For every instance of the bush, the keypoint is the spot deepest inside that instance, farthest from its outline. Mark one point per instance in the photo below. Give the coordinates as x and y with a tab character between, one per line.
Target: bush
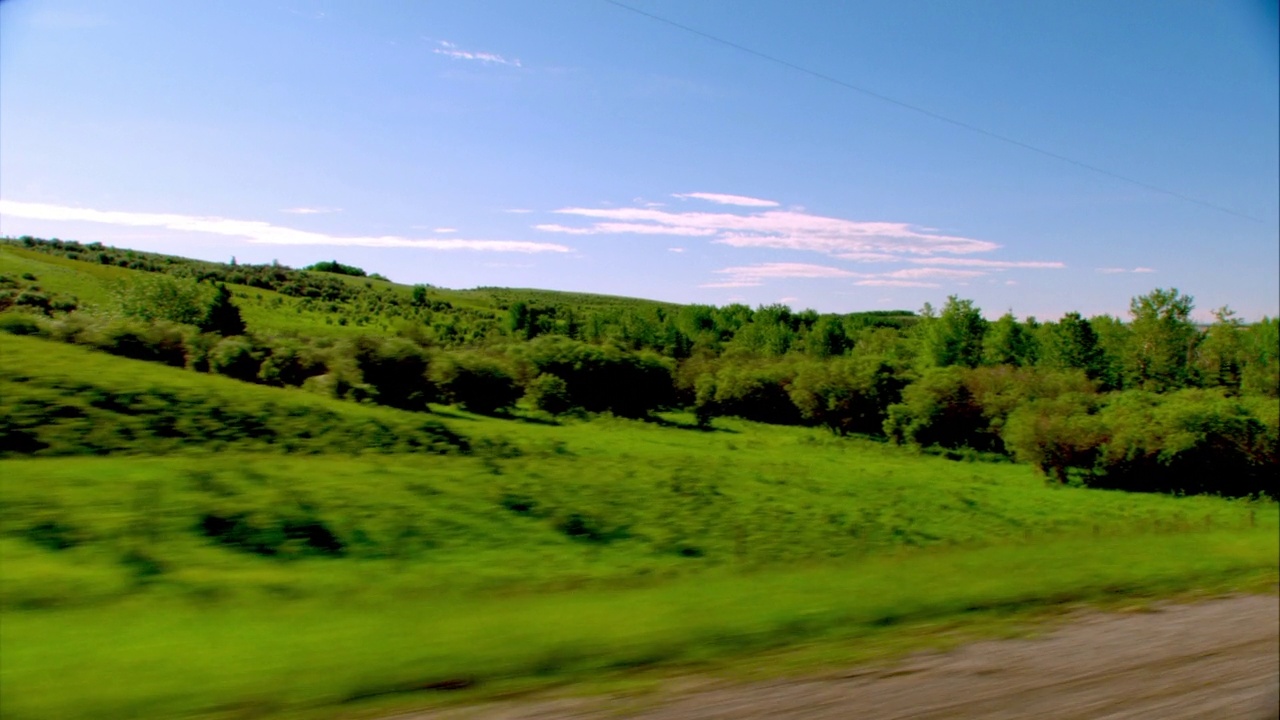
160	342
16	323
600	379
289	363
958	407
155	296
474	382
394	370
1191	441
549	393
847	395
1056	435
236	357
753	392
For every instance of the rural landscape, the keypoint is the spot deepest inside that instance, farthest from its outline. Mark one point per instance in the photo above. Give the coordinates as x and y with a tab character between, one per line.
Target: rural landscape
646	359
255	491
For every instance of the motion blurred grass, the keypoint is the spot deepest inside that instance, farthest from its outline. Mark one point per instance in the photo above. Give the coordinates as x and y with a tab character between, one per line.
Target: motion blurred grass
173	659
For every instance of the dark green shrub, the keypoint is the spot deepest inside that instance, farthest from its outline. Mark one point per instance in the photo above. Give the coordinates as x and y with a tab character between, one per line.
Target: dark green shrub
270	534
394	369
16	323
847	395
756	392
1057	435
289	363
474	382
549	393
160	342
33	299
236	357
1190	441
600	379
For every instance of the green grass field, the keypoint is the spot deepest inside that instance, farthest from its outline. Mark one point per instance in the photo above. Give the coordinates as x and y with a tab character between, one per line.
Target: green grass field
182	572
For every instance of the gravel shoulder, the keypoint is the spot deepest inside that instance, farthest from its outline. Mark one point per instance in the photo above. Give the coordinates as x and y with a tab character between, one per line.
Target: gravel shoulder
1211	659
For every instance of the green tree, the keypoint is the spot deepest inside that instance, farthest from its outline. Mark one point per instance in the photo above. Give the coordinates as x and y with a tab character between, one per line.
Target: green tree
222	316
1056	434
1261	347
1071	344
1007	342
1220	354
1163	340
955	336
1114	340
826	338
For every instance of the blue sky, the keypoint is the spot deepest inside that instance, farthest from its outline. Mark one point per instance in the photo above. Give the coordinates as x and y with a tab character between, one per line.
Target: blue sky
576	145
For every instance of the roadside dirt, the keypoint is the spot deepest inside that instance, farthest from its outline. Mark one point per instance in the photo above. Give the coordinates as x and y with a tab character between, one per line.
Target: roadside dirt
1215	659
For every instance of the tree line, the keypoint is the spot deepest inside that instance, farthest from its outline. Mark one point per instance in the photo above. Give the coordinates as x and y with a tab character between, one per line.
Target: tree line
1150	402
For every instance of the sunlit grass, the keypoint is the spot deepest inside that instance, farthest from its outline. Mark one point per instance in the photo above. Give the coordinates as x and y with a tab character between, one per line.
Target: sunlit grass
152	658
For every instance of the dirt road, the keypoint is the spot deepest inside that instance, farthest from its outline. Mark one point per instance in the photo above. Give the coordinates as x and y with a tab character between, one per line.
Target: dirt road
1217	659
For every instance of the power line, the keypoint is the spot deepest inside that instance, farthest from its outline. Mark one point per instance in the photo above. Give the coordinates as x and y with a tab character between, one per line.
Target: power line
929	113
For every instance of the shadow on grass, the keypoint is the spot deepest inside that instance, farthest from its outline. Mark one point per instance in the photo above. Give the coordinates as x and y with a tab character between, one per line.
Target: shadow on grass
678	425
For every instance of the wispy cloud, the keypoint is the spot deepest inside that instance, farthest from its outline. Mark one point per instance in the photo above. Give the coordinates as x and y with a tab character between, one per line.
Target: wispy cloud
448	49
518	211
617	228
723	199
675	249
256	231
787	270
443	230
763	224
311	210
732	284
869	257
777	229
1118	270
881	282
932	272
755	275
992	264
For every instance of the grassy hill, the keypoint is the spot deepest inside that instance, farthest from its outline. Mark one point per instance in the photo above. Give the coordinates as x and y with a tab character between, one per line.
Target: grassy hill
96	285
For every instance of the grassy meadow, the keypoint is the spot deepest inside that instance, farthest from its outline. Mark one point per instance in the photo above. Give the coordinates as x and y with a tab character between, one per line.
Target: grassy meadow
185	544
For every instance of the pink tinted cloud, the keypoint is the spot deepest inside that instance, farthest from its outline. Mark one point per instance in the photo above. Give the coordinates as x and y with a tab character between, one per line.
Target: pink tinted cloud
777	229
993	264
881	282
930	272
724	199
787	270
